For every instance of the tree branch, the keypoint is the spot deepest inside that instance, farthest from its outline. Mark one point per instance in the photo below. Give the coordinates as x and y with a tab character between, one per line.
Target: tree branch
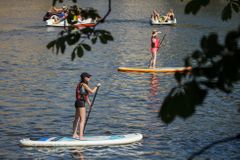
108	12
237	137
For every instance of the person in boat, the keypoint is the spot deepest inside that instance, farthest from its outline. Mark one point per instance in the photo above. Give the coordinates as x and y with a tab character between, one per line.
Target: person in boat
155	42
170	15
74	15
61	16
82	95
155	16
53	11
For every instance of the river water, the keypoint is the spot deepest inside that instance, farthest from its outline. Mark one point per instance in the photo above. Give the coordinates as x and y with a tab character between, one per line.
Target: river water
37	87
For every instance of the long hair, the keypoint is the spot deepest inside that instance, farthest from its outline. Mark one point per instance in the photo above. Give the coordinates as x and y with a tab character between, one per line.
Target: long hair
83	81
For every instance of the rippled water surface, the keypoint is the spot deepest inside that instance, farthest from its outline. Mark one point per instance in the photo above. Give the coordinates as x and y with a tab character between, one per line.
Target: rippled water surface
37	87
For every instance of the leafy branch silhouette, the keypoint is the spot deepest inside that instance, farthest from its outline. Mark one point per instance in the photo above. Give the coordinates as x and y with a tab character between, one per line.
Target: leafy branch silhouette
194	6
73	36
216	66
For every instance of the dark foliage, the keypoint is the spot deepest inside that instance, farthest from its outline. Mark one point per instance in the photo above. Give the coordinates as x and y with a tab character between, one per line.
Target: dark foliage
216	66
195	5
72	37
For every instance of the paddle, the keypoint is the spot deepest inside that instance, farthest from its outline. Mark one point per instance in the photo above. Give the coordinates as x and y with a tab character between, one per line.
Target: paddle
162	41
90	108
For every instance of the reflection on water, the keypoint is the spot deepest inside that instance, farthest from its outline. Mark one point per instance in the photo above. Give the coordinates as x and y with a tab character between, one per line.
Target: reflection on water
154	85
37	87
82	153
77	154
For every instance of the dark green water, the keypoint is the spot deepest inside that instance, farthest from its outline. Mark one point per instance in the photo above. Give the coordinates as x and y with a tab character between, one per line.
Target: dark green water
37	87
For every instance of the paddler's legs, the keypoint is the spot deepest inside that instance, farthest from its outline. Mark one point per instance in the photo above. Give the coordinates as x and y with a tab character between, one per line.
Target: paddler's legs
76	122
154	58
152	62
82	121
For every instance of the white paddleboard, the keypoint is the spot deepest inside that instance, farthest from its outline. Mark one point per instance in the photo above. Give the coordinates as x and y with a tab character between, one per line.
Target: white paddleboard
88	140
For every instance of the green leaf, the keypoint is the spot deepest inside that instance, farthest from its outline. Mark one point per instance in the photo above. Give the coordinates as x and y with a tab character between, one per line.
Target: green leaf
63	47
227	12
194	6
231	41
196	55
60	44
51	44
94	40
103	40
86	47
72	38
73	56
178	77
108	37
167	110
181	101
187	61
236	2
80	51
204	42
87	30
235	7
54	2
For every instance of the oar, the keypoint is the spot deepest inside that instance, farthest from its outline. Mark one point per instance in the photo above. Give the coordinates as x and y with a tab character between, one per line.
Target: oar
90	109
162	40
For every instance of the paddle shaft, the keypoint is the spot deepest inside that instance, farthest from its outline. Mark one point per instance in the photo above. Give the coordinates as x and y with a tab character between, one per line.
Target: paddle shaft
161	41
90	109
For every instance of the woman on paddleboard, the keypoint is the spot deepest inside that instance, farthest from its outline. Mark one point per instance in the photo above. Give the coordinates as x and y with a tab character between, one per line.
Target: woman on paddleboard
82	93
155	43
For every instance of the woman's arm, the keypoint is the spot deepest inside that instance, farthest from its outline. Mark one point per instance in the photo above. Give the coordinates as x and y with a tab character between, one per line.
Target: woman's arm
57	9
91	91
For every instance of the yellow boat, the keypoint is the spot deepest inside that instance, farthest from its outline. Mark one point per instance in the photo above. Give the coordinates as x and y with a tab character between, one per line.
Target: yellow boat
163	69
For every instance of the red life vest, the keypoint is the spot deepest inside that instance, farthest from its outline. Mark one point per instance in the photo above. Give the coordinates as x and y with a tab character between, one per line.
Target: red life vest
156	43
81	93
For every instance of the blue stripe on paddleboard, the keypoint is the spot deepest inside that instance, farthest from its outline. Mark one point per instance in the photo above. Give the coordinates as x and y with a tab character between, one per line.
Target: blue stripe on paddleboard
57	139
68	139
116	137
43	139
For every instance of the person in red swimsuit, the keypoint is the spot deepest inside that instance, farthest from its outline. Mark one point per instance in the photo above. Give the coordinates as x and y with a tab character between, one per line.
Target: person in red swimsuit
154	48
82	93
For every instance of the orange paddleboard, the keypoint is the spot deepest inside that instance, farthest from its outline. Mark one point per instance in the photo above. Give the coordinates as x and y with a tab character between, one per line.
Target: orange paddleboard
163	69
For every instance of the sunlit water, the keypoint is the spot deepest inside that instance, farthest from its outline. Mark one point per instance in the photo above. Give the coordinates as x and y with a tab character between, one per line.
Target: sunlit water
37	87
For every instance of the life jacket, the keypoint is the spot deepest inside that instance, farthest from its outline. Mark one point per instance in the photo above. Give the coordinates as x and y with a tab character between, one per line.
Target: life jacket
156	44
81	93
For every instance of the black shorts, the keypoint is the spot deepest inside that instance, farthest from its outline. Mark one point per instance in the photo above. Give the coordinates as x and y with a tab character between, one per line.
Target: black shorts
79	103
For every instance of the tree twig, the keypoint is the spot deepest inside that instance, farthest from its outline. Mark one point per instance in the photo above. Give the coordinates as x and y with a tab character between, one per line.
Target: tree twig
237	137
